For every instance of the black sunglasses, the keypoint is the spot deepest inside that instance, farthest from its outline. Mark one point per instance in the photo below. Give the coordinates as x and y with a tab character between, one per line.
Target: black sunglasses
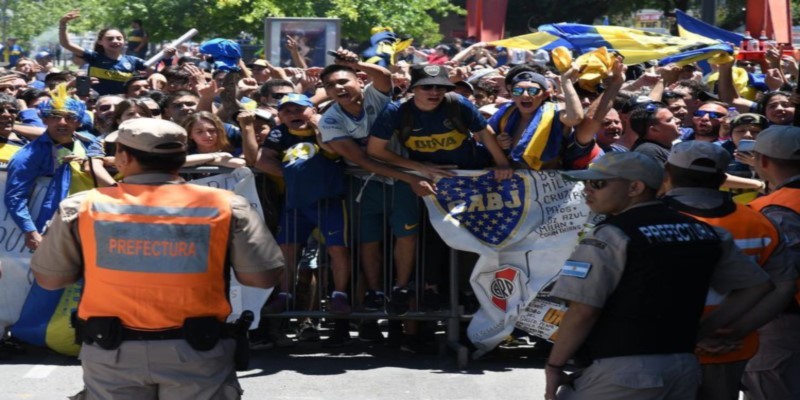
12	111
278	96
155	111
433	87
597	184
105	107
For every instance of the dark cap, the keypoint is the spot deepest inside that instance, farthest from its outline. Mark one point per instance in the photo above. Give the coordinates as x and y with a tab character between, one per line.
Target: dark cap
430	75
750	119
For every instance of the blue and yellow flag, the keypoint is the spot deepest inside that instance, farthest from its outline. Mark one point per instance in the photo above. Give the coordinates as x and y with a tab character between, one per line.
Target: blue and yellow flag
384	45
695	29
637	46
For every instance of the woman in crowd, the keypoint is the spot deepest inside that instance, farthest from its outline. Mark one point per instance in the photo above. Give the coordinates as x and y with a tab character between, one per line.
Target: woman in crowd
130	109
208	143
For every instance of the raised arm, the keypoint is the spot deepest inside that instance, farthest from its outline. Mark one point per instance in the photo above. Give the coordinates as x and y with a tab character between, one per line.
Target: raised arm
63	37
573	111
585	131
381	77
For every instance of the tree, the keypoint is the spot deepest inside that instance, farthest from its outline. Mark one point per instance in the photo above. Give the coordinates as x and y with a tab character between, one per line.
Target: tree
168	19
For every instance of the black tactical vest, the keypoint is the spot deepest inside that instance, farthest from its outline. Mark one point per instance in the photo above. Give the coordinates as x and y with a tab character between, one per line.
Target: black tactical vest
657	305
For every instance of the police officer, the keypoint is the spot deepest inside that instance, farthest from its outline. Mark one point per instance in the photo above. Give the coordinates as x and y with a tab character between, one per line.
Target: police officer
154	252
694	172
636	285
773	372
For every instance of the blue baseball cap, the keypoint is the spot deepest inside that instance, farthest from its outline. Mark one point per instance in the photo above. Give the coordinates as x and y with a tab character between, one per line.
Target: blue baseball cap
294	98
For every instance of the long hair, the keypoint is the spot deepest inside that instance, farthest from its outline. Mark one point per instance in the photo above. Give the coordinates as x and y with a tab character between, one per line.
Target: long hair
125	105
222	139
98	48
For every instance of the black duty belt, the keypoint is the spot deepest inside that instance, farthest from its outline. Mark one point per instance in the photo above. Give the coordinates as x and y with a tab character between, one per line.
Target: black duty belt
169	334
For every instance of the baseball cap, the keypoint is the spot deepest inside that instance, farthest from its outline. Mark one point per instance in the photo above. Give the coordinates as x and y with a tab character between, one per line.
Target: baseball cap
258	63
750	119
779	141
466	85
42	55
634	102
430	75
295	98
150	135
699	156
528	76
633	166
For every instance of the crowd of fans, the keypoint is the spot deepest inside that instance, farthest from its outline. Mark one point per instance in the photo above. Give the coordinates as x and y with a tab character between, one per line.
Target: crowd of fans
459	105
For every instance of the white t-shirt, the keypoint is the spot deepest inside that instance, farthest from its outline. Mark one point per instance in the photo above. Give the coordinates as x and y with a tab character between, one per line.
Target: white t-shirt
337	124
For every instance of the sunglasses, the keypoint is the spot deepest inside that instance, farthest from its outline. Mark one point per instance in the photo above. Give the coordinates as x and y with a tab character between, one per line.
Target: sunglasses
711	114
67	117
278	96
12	111
432	87
155	111
532	91
597	184
105	107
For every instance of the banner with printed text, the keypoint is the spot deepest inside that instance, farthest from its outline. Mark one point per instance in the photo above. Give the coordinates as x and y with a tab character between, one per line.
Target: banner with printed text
523	228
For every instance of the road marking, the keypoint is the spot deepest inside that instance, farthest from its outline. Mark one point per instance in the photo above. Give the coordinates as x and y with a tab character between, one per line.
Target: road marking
44	370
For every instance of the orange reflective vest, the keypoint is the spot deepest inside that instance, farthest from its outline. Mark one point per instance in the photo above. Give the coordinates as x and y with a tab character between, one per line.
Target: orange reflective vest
757	237
155	254
787	197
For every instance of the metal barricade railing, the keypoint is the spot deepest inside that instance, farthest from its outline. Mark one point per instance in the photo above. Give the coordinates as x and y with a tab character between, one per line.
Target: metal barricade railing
450	313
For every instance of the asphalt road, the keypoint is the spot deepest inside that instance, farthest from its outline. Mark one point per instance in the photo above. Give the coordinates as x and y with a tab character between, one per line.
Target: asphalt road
309	372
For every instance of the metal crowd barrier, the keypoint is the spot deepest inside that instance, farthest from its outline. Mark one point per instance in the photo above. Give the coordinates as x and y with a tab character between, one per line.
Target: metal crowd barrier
451	313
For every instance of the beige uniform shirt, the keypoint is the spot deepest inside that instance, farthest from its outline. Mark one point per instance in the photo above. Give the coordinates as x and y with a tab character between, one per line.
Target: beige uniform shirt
251	246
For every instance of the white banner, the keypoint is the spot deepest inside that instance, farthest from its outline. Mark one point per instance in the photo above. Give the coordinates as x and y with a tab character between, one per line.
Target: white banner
16	279
523	228
241	182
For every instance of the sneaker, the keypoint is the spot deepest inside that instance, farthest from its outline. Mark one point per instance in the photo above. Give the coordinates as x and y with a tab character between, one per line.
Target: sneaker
10	347
369	332
260	340
307	331
340	336
469	302
373	301
395	337
280	340
398	304
340	304
432	300
278	303
415	345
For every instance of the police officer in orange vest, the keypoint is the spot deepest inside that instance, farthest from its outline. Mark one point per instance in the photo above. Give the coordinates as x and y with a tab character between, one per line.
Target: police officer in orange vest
774	372
154	252
694	172
636	286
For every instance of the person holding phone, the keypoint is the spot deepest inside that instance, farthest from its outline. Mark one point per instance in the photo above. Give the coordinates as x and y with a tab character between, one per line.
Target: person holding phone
744	129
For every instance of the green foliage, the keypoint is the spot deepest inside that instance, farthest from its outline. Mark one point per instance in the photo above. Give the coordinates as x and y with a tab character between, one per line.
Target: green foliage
168	19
